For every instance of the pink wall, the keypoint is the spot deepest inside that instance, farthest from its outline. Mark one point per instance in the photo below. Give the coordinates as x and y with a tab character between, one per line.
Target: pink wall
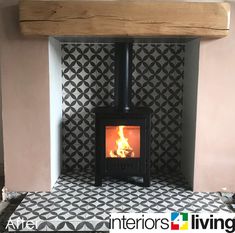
25	105
215	129
26	117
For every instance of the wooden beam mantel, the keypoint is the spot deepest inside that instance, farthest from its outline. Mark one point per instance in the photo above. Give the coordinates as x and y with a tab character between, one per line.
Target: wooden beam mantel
123	18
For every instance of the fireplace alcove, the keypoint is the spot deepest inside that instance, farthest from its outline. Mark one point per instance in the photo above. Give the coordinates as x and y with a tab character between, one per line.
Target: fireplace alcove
164	79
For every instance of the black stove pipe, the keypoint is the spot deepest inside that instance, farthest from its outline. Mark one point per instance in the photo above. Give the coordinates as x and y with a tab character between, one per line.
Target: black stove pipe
123	61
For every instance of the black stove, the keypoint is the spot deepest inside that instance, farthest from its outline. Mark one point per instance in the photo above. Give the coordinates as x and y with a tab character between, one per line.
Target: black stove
123	131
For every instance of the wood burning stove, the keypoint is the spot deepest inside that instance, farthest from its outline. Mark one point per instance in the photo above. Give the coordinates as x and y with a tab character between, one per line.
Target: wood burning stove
123	131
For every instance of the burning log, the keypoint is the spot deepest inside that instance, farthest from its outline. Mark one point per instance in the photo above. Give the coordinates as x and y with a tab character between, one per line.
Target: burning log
123	150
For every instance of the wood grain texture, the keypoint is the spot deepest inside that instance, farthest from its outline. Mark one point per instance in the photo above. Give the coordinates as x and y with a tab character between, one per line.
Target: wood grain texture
130	18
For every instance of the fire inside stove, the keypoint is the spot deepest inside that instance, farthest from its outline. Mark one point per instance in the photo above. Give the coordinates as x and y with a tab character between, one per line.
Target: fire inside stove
122	141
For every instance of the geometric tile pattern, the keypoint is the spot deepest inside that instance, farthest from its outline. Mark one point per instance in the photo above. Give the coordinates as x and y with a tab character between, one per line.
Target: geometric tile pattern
75	204
158	71
88	81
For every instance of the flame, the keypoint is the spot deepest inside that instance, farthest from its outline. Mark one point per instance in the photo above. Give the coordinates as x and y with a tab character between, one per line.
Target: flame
123	148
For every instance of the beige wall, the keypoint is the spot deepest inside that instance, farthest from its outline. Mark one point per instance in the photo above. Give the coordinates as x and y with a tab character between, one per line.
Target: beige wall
215	130
1	139
25	105
26	116
189	109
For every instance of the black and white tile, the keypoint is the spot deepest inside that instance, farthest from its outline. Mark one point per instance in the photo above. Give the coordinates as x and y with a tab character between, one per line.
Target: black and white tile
88	82
76	205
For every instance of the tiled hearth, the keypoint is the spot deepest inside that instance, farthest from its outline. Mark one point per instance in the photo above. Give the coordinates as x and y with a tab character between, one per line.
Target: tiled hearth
75	204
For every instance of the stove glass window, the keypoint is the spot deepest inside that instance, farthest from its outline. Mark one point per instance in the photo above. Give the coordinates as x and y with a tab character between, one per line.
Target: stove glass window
122	141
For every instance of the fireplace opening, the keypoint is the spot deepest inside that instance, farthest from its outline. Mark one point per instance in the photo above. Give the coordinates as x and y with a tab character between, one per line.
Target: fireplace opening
122	141
160	77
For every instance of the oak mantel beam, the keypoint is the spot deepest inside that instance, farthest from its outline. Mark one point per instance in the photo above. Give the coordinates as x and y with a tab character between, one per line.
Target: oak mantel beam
129	18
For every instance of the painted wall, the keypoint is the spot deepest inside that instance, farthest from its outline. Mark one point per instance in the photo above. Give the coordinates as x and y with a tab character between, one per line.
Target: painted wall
215	130
55	107
1	138
26	114
189	109
25	105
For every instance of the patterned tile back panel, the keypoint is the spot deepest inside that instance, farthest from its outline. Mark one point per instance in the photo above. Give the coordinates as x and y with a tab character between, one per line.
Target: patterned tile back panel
88	81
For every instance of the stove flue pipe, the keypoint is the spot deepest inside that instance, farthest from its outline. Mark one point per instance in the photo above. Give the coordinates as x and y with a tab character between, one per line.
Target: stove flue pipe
123	74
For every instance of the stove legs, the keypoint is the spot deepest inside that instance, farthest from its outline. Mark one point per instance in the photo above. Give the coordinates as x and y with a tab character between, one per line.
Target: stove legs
98	180
146	181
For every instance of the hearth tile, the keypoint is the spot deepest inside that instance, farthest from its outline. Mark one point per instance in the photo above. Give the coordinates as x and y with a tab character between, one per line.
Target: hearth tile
111	196
173	199
116	209
194	208
131	195
175	207
115	189
110	205
164	204
94	204
49	226
138	192
116	202
130	210
98	194
107	208
77	226
95	201
37	197
64	193
64	203
180	191
130	203
125	209
184	195
92	191
213	207
63	226
108	202
73	212
96	207
150	204
153	209
98	225
83	226
42	225
72	216
97	215
31	211
140	208
115	183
